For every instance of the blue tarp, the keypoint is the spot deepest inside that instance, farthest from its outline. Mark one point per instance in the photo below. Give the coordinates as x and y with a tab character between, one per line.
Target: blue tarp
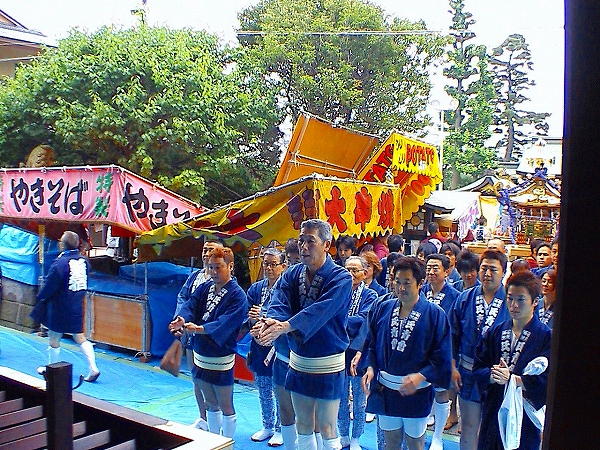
19	254
164	282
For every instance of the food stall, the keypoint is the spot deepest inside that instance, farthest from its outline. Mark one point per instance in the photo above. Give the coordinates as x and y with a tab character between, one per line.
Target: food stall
331	173
125	311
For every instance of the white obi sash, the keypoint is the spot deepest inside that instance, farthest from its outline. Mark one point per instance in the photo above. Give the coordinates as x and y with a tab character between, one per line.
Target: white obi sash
321	365
281	357
394	381
217	363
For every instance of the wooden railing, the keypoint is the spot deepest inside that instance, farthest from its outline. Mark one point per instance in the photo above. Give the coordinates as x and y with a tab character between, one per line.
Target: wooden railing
34	415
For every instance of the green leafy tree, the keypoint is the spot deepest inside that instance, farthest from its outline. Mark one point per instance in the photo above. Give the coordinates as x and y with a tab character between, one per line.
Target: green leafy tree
171	105
511	64
344	61
465	152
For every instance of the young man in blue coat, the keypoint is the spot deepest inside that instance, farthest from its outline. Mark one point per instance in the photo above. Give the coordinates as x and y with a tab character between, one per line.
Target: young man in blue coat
409	354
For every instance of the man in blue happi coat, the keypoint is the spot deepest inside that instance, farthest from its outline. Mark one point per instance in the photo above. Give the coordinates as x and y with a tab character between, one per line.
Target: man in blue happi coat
409	354
60	302
361	302
474	312
439	291
311	304
260	358
195	279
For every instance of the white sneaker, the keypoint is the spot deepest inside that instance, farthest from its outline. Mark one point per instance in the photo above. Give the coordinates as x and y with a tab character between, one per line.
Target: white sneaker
262	434
354	445
345	441
276	440
201	424
370	418
430	421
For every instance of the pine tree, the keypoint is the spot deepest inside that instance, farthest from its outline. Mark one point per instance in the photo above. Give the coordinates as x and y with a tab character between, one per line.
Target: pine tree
511	64
465	151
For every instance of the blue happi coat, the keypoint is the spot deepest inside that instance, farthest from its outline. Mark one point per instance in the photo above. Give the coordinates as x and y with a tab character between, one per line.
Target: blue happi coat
426	349
546	316
454	277
63	293
378	288
466	333
460	287
191	284
258	352
223	323
357	326
445	298
489	352
357	318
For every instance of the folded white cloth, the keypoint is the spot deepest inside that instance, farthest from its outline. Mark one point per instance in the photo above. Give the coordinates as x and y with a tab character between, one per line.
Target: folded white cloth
510	414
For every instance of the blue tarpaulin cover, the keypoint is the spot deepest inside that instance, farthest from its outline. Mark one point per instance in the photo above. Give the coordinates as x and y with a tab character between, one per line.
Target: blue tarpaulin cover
19	254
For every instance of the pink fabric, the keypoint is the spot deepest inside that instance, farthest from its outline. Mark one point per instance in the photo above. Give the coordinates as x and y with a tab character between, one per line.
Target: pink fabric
380	250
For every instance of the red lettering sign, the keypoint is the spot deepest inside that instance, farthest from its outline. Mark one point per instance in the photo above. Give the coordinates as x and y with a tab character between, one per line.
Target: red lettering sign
334	209
362	210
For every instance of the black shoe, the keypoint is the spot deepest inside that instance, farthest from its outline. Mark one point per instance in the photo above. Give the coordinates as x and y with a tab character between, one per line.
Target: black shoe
92	377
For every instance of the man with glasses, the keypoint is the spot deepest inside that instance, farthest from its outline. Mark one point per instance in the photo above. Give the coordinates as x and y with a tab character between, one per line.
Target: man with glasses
361	301
409	353
260	357
473	313
310	305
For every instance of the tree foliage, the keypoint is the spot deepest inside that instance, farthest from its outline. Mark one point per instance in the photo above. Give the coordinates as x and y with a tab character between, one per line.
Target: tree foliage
325	59
511	64
465	151
170	105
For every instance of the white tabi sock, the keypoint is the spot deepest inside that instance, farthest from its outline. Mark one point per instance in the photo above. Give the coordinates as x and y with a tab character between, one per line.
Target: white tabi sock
319	439
332	444
307	442
53	354
229	426
214	419
442	411
290	436
88	351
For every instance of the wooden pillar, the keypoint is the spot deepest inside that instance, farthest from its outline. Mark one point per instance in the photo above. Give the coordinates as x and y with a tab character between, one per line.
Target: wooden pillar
574	389
59	406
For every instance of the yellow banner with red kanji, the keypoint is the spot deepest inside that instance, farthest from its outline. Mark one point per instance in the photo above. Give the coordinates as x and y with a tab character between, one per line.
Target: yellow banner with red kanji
352	207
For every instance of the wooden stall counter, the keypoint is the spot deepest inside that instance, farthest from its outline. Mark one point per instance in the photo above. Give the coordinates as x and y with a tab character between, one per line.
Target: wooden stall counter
118	320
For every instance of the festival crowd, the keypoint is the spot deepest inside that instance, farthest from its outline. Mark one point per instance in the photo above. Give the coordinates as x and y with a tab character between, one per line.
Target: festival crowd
443	337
